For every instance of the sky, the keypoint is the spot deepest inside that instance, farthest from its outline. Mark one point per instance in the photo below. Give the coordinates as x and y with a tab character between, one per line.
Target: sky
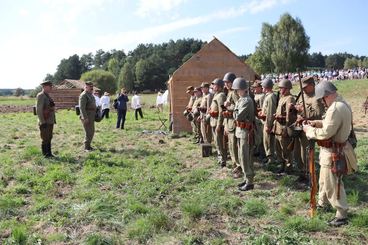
36	34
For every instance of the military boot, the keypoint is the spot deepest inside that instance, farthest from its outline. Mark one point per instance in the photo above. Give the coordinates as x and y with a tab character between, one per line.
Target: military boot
44	149
49	153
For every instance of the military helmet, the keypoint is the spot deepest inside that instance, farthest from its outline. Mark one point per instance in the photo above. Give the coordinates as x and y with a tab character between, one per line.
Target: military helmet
324	88
240	83
229	77
218	82
267	83
285	83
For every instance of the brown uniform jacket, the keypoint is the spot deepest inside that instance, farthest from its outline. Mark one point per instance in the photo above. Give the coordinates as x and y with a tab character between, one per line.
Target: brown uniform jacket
45	108
269	109
87	106
315	108
216	107
284	111
229	122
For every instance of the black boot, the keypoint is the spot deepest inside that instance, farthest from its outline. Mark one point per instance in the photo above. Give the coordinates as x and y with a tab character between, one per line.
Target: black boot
44	149
49	153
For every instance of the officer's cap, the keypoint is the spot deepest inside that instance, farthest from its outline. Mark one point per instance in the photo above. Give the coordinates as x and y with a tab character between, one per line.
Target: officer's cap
324	88
307	80
89	83
205	85
189	89
46	83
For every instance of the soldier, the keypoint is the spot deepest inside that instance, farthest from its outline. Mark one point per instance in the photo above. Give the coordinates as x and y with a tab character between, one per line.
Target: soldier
244	116
284	118
188	109
229	123
204	109
87	106
45	108
315	110
259	97
196	114
267	115
217	120
332	135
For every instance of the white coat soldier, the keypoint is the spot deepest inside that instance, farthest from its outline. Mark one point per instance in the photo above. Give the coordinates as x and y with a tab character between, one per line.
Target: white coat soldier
229	124
217	120
244	116
45	109
332	135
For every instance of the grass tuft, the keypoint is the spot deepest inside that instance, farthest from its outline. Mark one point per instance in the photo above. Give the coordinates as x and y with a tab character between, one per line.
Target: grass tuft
255	208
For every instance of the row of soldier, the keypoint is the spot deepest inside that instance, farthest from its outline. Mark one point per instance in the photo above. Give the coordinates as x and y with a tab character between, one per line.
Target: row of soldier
247	120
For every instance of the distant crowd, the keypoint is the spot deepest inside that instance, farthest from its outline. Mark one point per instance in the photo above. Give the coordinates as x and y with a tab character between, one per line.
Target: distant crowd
321	75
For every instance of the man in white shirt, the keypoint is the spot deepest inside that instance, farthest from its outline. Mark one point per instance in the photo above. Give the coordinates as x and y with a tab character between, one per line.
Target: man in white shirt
160	102
136	105
105	104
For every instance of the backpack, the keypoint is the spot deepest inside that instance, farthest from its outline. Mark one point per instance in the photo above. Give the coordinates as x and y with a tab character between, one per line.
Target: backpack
115	104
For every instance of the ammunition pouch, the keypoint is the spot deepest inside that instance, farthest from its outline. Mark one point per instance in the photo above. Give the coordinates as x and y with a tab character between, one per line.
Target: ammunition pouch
214	114
246	125
227	114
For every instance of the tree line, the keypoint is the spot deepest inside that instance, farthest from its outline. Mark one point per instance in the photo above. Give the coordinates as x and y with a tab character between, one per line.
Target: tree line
283	47
147	67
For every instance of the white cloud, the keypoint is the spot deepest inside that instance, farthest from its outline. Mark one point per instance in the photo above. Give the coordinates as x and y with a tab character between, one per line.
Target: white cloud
149	34
156	7
23	12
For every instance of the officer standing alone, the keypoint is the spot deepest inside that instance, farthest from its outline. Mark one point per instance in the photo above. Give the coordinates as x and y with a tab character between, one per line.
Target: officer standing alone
45	109
87	106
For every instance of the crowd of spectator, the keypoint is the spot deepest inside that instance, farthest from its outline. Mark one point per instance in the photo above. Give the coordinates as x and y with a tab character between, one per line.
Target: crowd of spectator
322	75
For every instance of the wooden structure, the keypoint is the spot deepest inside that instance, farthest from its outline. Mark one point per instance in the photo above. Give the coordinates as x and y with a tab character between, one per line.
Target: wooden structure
66	94
212	61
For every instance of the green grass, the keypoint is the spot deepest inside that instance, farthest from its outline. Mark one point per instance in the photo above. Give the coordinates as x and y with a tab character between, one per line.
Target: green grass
133	190
12	100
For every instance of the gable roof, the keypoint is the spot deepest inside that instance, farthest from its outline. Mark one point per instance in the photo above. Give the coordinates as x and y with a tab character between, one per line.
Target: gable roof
213	58
71	83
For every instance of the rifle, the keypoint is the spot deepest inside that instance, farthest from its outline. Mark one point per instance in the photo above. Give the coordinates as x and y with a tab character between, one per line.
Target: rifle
277	104
312	170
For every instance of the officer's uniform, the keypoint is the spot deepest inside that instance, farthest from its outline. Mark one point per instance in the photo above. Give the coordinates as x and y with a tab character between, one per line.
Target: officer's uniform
284	118
334	129
244	115
204	109
315	110
45	109
188	109
217	120
268	110
87	106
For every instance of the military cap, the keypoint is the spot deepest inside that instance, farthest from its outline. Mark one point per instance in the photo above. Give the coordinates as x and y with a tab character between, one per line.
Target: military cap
229	77
307	80
285	83
324	88
205	85
240	83
218	82
46	83
257	84
189	89
89	83
267	83
197	89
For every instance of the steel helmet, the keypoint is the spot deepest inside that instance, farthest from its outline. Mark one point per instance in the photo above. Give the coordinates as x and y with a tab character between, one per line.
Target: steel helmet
229	77
267	83
285	83
324	88
218	82
240	83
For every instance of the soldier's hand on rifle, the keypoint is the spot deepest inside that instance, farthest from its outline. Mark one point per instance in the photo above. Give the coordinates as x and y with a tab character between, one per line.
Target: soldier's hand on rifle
268	130
226	132
299	108
299	119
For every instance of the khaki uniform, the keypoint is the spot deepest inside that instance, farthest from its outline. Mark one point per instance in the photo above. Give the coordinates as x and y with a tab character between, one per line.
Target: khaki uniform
244	114
196	118
259	99
336	126
283	131
315	110
190	108
87	106
217	119
269	109
205	124
45	108
229	126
